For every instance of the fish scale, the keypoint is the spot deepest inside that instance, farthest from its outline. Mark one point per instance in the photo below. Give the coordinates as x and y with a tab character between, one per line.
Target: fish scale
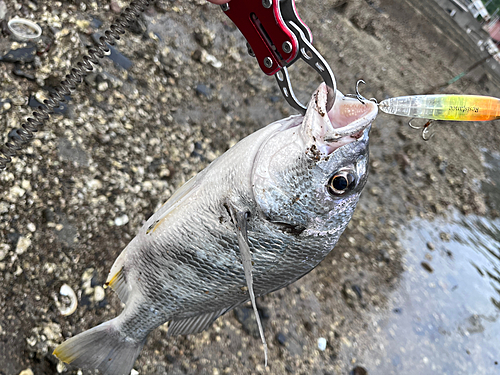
255	220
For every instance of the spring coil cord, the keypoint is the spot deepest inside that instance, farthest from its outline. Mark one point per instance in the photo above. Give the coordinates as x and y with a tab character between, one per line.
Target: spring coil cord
19	138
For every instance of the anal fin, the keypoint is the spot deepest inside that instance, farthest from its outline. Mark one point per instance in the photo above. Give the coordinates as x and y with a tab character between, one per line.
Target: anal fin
117	278
192	325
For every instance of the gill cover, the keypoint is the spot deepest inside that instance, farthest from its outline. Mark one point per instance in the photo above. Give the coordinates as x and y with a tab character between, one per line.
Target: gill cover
293	169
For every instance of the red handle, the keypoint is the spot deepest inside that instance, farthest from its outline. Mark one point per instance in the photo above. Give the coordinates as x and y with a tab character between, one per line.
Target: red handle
261	23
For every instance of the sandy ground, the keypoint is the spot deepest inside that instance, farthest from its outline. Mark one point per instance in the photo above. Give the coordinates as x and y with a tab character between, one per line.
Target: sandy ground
184	93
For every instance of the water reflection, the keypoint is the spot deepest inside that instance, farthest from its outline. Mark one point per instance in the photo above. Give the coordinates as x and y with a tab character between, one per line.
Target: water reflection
445	315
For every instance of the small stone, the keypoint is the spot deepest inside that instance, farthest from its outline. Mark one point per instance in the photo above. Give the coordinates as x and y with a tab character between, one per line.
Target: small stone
445	236
60	367
22	245
281	338
204	90
115	7
31	227
102	86
4	249
246	317
322	344
121	220
384	256
4	207
16	191
375	190
358	370
28	371
426	266
83	25
52	331
3	10
204	37
26	185
99	293
346	342
134	372
94	184
18	100
430	246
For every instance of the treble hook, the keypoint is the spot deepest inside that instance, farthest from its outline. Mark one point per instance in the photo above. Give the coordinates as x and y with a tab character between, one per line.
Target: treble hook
426	134
358	96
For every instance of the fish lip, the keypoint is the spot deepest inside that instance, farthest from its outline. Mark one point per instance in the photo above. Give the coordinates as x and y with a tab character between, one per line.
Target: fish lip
334	130
355	128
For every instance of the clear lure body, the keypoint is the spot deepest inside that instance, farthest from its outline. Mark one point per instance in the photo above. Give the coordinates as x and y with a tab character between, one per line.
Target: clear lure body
444	107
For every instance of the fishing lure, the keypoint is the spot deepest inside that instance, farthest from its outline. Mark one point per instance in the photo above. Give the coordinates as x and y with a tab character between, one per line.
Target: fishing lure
438	107
444	107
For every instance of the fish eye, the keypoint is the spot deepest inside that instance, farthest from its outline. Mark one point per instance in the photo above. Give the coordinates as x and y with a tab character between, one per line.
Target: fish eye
341	182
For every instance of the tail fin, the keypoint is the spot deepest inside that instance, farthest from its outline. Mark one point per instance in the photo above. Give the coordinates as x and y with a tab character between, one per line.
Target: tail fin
103	348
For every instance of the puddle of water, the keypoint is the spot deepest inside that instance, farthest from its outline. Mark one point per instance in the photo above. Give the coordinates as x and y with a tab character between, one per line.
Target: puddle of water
445	316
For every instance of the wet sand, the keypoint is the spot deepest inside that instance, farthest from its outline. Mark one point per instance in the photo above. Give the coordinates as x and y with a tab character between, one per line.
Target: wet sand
131	136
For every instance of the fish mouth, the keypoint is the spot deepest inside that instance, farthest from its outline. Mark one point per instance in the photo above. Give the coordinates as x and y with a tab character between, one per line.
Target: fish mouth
346	121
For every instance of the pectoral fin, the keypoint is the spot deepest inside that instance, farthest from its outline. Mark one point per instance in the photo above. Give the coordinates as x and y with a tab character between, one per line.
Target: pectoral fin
240	219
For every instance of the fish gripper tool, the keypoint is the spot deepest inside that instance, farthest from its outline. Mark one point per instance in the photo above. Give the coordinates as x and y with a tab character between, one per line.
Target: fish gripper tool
277	38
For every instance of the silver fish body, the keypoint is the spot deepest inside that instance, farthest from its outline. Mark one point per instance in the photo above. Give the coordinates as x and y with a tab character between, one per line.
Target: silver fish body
298	189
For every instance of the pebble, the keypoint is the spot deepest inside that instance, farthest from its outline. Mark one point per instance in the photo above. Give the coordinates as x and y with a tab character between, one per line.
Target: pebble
17	191
121	220
60	367
102	86
115	7
4	249
322	344
246	317
204	37
22	245
426	266
99	293
134	372
52	331
281	338
445	236
358	370
28	371
20	55
430	246
204	90
18	100
4	207
3	10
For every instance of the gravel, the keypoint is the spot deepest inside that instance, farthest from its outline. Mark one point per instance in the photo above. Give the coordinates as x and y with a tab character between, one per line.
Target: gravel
176	93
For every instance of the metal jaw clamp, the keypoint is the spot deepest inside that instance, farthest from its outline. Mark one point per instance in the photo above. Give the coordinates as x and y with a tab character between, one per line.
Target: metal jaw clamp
277	37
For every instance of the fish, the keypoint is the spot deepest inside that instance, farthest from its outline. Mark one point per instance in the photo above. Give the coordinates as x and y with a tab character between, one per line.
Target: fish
258	218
